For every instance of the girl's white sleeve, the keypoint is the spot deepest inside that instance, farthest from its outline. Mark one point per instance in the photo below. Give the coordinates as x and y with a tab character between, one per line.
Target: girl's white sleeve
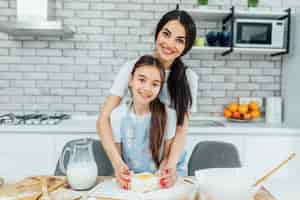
171	124
120	85
193	82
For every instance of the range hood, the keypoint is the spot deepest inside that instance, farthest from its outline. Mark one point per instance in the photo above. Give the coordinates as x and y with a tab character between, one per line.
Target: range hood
35	18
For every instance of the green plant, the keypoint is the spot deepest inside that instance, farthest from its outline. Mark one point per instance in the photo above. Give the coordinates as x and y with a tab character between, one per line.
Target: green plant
252	3
202	2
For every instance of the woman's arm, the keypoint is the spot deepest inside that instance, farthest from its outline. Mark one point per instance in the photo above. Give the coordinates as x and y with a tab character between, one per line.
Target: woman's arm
178	143
172	152
105	131
112	149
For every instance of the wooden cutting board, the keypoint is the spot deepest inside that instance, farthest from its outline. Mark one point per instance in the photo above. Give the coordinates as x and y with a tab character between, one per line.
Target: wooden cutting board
31	188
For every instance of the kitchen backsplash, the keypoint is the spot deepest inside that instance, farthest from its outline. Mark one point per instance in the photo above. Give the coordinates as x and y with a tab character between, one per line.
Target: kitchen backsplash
73	75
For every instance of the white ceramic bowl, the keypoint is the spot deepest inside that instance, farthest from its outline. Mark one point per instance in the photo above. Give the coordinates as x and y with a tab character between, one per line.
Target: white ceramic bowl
225	184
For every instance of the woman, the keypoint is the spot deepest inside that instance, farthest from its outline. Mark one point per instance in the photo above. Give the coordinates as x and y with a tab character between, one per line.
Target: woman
174	37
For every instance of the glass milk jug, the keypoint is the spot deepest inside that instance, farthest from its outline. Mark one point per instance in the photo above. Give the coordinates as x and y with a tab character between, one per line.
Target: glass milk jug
81	170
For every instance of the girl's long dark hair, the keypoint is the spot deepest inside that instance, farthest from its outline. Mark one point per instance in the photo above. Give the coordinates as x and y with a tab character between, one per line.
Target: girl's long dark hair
178	86
157	108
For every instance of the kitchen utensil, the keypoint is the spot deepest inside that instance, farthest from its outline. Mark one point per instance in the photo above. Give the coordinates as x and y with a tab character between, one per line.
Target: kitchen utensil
225	184
212	38
272	171
81	169
224	38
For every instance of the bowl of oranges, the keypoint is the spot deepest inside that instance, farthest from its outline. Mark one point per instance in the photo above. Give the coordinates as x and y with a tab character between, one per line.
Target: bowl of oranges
243	112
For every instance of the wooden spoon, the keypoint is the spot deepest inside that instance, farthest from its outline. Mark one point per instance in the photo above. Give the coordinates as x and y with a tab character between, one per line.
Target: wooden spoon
272	171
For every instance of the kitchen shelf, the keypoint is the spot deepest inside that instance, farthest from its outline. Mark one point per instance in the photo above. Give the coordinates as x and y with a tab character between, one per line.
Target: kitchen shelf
230	15
260	14
208	49
209	14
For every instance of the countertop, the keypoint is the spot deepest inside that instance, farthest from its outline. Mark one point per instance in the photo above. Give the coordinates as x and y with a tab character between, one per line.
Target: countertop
87	124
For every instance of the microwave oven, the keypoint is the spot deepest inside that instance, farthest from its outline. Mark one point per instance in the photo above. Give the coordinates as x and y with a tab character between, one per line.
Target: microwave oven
258	33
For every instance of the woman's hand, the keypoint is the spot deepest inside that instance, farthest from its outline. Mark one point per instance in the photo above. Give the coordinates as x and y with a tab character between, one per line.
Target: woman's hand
167	174
123	175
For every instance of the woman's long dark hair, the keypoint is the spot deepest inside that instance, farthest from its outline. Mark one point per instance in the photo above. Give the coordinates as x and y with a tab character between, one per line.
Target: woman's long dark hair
157	108
178	86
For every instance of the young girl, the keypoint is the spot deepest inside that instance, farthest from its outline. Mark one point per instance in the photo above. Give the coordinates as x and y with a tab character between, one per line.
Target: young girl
143	129
174	37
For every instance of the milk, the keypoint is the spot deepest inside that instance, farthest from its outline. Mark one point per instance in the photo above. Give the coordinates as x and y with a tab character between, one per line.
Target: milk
82	176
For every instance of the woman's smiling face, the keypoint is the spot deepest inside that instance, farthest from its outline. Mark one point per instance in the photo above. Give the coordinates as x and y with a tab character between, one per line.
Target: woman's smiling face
170	42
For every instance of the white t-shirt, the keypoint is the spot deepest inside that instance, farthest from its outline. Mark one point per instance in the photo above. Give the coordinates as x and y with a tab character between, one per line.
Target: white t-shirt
120	85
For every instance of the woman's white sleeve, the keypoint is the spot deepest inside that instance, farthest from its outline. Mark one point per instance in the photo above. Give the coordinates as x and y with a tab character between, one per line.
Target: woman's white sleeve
171	123
193	82
120	85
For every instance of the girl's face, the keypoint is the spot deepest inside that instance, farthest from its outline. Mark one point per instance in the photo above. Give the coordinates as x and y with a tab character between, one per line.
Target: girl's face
170	42
145	84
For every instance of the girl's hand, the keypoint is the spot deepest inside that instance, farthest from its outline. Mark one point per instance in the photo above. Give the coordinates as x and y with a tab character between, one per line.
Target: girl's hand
167	174
122	175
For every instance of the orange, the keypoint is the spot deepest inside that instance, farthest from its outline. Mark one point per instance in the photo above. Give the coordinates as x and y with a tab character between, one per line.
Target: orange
233	107
227	113
236	115
253	105
247	116
255	114
243	108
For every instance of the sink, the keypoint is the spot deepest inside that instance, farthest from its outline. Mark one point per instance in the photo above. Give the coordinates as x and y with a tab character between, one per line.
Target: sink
206	123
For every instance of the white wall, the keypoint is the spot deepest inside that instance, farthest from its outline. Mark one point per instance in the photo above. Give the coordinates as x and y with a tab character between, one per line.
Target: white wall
291	75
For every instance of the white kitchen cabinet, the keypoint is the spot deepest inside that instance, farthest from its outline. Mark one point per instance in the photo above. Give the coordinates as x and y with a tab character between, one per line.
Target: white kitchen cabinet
25	155
28	154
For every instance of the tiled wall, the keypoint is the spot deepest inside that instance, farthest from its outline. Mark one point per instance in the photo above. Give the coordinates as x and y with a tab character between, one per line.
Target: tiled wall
74	75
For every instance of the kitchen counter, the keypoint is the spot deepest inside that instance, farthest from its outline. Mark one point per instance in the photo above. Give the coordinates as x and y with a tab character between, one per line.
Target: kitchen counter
87	124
